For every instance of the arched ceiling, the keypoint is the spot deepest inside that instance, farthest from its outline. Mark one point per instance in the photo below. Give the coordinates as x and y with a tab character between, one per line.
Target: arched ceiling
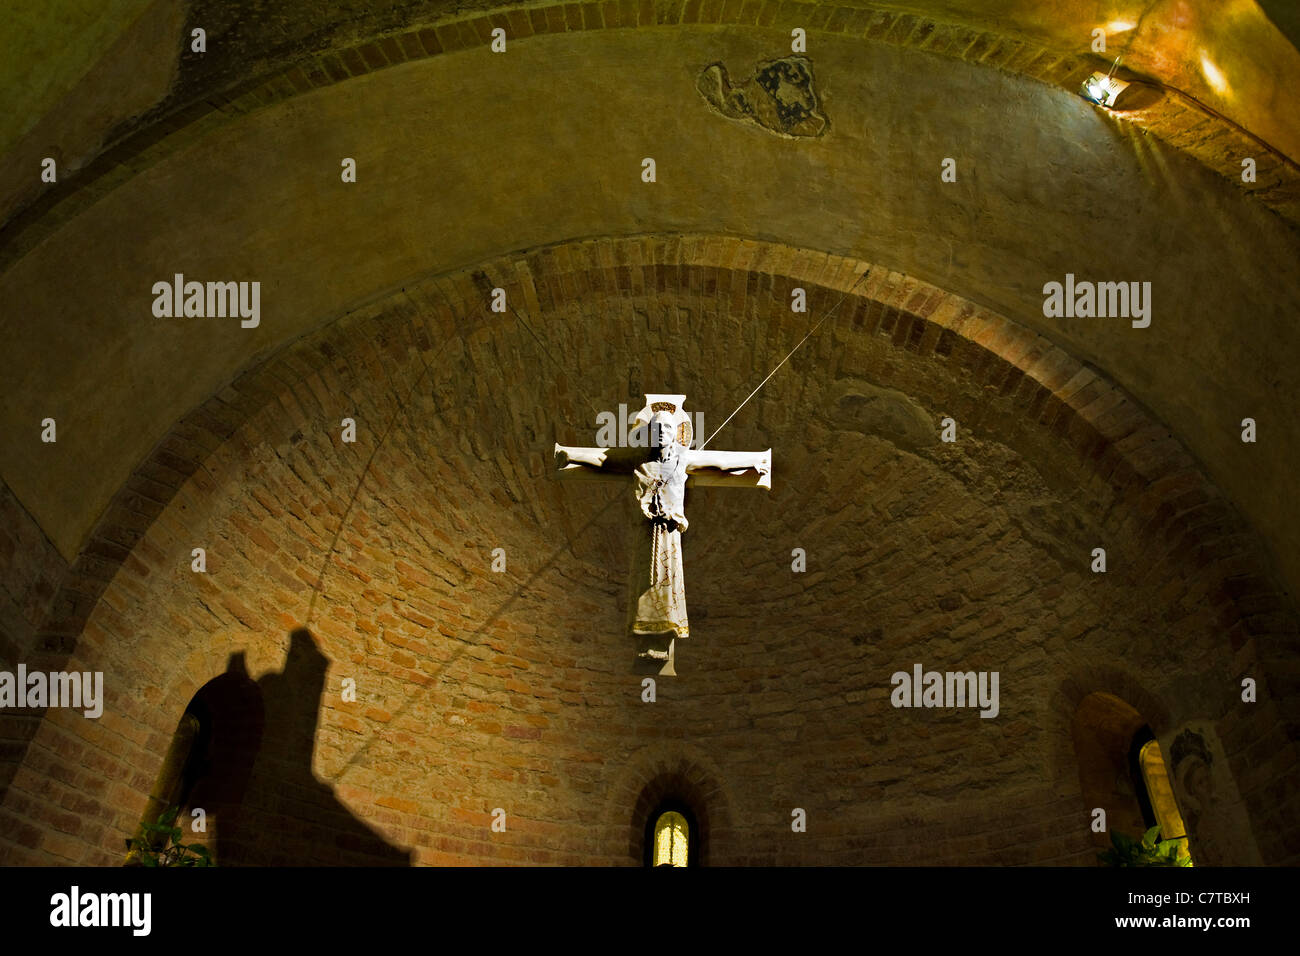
49	49
466	155
522	170
1239	57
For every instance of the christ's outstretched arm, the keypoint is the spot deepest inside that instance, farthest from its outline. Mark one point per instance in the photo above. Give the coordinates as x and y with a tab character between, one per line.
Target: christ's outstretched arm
743	469
574	461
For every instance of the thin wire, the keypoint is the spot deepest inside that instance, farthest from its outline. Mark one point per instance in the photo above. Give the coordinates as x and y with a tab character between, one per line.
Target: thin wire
467	642
403	408
843	296
356	492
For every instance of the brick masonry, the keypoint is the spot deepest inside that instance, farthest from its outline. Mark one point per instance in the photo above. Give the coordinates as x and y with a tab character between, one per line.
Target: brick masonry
479	690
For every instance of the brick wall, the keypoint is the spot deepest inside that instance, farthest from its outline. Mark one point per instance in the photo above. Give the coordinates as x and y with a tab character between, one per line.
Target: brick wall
478	690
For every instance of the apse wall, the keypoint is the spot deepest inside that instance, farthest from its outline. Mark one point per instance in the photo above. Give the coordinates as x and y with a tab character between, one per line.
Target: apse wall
479	690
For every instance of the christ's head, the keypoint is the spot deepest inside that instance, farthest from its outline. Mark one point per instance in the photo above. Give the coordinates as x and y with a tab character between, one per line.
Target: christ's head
662	434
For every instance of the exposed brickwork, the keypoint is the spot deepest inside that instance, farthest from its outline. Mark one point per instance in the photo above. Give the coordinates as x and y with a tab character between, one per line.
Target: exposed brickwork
481	690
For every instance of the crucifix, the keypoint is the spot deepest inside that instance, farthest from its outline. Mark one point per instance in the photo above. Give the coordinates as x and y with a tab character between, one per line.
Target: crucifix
661	465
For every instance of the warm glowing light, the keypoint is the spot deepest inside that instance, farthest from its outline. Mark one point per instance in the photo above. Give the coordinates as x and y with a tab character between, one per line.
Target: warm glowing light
671	835
1161	792
1102	89
1120	26
1213	75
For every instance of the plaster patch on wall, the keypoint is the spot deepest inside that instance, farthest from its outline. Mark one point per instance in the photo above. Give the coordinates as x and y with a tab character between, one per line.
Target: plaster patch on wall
780	97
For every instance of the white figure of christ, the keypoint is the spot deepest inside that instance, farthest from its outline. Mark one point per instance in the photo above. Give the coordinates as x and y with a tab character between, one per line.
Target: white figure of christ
662	464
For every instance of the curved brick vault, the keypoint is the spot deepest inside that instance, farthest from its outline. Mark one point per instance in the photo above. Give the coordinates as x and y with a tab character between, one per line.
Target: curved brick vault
515	690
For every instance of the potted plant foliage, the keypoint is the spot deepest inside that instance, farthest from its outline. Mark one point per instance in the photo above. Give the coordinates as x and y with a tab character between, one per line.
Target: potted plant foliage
1149	851
159	844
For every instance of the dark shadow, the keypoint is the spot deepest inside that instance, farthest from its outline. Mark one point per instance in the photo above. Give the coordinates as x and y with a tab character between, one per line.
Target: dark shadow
220	765
251	771
1138	96
1285	16
1141	738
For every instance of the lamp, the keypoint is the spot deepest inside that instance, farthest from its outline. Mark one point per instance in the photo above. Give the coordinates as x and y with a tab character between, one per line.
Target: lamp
1103	88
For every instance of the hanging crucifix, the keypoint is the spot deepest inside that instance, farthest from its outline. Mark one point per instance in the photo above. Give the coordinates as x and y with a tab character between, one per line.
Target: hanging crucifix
662	464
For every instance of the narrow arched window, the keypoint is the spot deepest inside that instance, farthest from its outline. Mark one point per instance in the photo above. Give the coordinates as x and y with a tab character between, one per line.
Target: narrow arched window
180	769
209	761
1154	791
672	836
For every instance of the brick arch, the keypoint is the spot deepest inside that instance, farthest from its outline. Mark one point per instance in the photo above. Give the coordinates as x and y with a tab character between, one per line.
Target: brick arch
1070	695
1175	118
682	785
1090	749
671	772
1103	729
1118	683
999	380
1016	382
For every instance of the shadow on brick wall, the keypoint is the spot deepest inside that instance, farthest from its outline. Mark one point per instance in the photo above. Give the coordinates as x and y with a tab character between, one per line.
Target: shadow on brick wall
251	771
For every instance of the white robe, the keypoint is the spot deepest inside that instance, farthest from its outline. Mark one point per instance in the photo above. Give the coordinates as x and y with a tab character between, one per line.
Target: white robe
661	600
